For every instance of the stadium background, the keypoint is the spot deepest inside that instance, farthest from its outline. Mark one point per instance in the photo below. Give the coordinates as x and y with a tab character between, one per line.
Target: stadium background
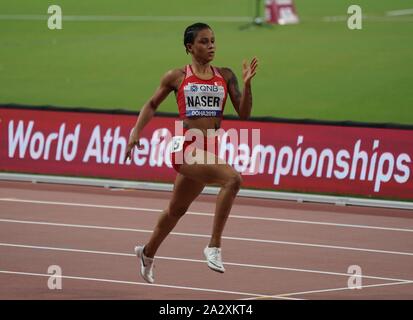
292	249
318	69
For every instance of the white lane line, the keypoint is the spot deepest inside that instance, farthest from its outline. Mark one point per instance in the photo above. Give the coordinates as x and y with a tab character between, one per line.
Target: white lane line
74	204
278	296
196	261
134	283
402	12
393	18
34	17
209	214
196	235
335	18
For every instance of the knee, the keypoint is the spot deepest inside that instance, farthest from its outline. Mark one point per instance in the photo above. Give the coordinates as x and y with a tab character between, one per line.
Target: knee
234	182
176	210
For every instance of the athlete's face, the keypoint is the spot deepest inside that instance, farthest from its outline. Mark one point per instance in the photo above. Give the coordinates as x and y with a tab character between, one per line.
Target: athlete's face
203	48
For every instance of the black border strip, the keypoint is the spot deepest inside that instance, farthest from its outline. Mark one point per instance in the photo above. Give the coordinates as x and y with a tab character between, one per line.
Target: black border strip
228	117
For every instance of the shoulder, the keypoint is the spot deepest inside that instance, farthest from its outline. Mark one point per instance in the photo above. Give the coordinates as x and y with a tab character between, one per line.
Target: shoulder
226	72
172	77
174	74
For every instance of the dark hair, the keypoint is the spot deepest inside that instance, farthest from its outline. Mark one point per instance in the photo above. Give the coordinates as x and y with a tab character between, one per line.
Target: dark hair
192	31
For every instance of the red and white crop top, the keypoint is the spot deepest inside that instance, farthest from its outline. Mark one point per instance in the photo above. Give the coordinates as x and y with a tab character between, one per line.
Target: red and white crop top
202	98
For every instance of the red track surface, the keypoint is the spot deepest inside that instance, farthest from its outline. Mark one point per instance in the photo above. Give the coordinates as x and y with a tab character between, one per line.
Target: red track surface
271	249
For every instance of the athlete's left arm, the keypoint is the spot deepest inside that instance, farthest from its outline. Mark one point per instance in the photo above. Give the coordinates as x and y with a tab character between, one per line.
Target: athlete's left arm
242	102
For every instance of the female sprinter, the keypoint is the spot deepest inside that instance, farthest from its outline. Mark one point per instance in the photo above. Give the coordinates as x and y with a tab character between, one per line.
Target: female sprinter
203	113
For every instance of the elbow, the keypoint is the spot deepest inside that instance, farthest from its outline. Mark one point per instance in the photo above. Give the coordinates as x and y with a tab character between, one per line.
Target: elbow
244	111
152	105
149	108
244	116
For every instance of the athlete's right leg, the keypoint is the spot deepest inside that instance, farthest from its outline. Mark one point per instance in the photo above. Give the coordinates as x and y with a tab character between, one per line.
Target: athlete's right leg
184	193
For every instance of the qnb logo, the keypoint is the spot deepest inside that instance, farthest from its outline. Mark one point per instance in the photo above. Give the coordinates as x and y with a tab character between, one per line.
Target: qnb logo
206	88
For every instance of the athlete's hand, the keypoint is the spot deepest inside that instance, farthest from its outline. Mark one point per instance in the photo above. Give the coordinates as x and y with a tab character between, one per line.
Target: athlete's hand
249	71
133	141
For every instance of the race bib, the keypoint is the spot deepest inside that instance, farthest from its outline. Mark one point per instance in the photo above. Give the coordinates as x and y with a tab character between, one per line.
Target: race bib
177	143
204	100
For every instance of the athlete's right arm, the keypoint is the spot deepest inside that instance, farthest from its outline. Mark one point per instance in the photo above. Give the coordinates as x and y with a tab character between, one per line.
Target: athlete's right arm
149	108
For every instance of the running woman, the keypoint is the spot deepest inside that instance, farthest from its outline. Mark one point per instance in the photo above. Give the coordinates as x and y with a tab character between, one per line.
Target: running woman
201	91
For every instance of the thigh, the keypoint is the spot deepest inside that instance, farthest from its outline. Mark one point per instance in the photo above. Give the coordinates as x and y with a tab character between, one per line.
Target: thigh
208	169
185	191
